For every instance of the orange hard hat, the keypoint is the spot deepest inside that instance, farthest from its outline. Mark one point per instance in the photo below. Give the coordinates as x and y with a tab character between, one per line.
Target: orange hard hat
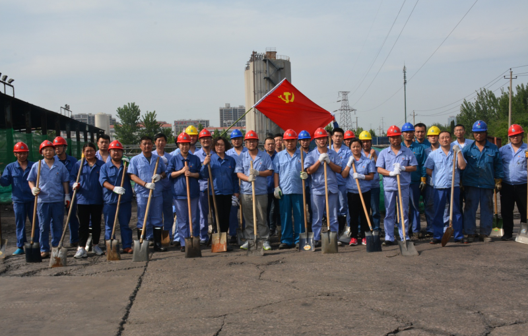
44	144
204	134
515	129
320	133
290	135
59	141
183	138
251	135
115	145
393	131
349	135
20	147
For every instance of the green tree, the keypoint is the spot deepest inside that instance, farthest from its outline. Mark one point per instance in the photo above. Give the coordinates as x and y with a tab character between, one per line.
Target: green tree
200	128
127	128
216	134
151	126
372	133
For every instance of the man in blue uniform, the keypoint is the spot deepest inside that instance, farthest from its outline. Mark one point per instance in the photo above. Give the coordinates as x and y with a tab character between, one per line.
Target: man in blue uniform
304	140
160	140
343	152
238	148
419	131
102	143
206	141
273	203
370	153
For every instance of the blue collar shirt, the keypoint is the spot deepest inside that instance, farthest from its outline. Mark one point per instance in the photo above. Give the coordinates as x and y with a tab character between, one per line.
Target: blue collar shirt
514	164
225	180
318	181
344	153
17	177
113	175
375	183
363	166
419	152
100	157
90	191
270	180
442	166
204	182
232	152
467	142
51	180
289	169
142	168
179	184
386	160
262	162
166	183
482	167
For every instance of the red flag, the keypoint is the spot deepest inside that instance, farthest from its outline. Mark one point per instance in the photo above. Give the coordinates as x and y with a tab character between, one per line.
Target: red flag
289	108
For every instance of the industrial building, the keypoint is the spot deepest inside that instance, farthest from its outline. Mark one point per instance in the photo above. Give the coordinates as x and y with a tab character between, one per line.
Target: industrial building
181	124
263	71
229	114
89	118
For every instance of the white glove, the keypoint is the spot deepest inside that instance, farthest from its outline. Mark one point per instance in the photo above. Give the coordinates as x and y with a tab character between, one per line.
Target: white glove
251	178
327	159
35	191
150	186
67	200
456	149
402	168
350	161
125	159
304	175
277	193
76	186
156	178
358	176
394	173
397	166
322	157
234	201
119	190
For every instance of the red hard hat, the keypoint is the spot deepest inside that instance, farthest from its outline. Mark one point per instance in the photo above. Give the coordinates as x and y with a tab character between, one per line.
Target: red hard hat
320	133
349	135
290	135
393	131
204	134
20	147
251	135
515	129
59	141
183	138
44	144
115	145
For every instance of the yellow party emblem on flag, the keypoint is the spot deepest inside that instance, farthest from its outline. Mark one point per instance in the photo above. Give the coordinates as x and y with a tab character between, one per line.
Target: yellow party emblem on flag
286	97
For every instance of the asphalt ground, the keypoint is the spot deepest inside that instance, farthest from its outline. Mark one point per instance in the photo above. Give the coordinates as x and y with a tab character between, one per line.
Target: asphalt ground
474	289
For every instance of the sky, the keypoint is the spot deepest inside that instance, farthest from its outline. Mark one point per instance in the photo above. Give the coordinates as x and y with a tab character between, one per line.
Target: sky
185	59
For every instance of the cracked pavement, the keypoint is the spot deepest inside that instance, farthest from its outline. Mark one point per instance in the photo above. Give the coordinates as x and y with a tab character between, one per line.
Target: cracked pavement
475	289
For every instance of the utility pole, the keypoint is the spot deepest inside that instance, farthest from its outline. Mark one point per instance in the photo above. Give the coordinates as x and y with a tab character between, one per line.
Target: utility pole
405	92
357	125
346	111
414	116
511	78
382	126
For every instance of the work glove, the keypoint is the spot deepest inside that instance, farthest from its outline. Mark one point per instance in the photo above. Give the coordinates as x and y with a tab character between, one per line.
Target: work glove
322	157
251	178
150	186
234	201
498	184
119	190
125	159
304	175
76	186
396	170
277	193
350	161
35	191
456	149
423	181
358	176
327	159
402	168
253	172
67	200
156	178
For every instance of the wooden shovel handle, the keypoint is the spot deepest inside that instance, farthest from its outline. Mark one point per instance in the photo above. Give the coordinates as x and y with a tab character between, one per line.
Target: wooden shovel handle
361	197
71	202
452	190
35	205
143	230
214	198
189	202
304	193
254	206
119	201
401	208
326	198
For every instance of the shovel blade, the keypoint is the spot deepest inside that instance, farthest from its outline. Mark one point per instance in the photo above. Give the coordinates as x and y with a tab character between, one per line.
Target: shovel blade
32	252
447	235
522	236
255	248
58	257
165	238
112	250
192	247
141	251
377	240
3	246
373	241
306	242
219	242
241	237
329	242
407	248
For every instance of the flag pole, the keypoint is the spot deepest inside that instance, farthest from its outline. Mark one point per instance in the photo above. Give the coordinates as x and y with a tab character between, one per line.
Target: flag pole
225	132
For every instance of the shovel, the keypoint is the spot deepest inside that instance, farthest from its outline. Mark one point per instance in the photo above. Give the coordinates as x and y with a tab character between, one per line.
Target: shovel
373	238
328	238
141	246
112	245
306	239
449	231
192	244
255	247
32	249
3	244
522	235
59	253
219	238
497	230
406	247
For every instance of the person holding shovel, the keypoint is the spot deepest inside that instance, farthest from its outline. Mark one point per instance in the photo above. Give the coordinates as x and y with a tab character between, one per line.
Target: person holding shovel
439	166
262	168
343	152
54	196
514	185
369	152
142	172
238	148
160	140
392	161
206	140
304	140
110	178
433	137
177	171
16	174
315	168
364	174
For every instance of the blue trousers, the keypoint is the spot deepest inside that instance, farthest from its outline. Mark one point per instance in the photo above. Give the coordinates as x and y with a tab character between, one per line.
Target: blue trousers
175	234
291	204
441	198
374	205
414	214
168	216
319	208
154	215
203	207
390	212
343	202
430	210
474	197
23	210
50	215
124	215
74	224
182	219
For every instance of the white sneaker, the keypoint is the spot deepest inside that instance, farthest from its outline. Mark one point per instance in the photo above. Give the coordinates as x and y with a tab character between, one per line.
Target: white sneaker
97	250
245	245
79	253
266	246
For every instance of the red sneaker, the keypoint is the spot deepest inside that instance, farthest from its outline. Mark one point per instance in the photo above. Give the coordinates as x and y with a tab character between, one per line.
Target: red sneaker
353	242
364	241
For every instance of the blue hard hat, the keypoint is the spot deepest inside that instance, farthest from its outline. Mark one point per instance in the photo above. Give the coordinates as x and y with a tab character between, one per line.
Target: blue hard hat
479	126
304	135
236	134
407	127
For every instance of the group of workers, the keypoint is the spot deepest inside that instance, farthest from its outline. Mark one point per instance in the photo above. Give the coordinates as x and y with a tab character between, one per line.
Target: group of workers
342	169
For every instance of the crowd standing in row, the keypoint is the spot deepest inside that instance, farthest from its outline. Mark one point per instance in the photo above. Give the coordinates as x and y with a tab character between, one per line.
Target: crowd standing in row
423	164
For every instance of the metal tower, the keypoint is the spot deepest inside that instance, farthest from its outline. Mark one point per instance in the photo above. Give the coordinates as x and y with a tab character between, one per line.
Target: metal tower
345	110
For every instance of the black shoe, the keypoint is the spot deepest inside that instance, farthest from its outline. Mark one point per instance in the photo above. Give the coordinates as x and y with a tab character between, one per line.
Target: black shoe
506	237
74	244
435	241
157	241
317	243
182	249
388	243
233	240
284	246
458	240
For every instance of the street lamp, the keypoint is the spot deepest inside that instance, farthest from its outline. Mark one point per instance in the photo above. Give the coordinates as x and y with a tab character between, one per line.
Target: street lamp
7	83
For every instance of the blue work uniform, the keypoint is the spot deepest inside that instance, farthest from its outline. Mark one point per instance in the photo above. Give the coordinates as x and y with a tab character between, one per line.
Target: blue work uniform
50	204
375	196
233	215
429	200
262	162
288	167
343	153
225	180
22	198
204	200
386	160
113	175
273	209
479	181
318	191
168	216
100	157
90	190
425	144
363	166
73	225
418	150
467	142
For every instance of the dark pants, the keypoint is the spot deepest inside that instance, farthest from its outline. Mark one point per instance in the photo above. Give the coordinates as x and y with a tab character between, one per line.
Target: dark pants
87	213
223	204
355	209
273	212
509	195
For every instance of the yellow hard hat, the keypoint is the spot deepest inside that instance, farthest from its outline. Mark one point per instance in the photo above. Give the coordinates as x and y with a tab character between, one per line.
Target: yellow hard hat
365	136
191	130
433	131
